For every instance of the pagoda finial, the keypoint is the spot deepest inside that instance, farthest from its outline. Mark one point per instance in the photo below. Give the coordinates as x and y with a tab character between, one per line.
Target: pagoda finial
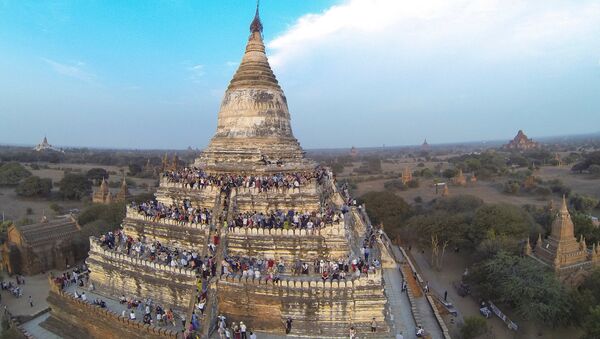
256	25
563	208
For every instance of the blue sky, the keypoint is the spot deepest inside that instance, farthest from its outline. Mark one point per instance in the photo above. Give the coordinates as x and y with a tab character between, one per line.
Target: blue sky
151	74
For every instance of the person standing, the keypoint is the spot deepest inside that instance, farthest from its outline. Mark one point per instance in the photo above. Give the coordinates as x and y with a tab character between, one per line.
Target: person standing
243	330
373	326
30	302
288	325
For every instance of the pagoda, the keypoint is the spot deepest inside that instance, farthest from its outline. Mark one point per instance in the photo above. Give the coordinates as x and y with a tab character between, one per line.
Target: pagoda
102	195
569	258
406	175
459	179
45	146
425	146
252	151
521	143
123	194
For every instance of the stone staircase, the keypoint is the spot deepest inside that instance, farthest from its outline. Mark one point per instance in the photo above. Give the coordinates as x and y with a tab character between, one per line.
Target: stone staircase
209	320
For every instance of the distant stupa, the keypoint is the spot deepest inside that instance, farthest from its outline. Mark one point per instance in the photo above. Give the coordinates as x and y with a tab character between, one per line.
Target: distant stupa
45	146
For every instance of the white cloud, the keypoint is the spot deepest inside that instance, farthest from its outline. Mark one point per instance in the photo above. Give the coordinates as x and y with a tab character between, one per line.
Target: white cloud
197	72
493	30
232	63
74	70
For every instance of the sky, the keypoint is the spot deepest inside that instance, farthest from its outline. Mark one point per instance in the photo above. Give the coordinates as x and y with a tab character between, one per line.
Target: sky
151	74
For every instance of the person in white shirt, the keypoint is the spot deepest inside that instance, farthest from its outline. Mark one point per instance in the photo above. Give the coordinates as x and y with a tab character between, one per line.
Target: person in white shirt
132	315
252	335
243	330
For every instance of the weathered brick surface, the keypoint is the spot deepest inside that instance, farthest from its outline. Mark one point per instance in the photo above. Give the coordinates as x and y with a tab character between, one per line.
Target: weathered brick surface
72	318
317	307
117	274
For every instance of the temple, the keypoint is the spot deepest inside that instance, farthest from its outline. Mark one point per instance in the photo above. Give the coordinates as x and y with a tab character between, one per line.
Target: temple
425	146
40	247
406	175
45	146
569	258
459	179
521	143
102	195
254	198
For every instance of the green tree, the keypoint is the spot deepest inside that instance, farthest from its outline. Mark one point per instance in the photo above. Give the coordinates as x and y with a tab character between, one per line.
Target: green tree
583	203
387	208
135	169
34	187
75	186
584	226
591	325
97	174
459	203
111	214
449	173
473	327
594	170
12	173
528	287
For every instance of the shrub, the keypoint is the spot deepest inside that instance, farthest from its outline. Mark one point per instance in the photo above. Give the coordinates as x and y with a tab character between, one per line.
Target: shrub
473	327
56	208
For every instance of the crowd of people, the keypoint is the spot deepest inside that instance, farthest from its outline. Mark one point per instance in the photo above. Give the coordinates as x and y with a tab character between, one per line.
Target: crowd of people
79	276
234	330
195	178
287	220
272	269
183	213
155	251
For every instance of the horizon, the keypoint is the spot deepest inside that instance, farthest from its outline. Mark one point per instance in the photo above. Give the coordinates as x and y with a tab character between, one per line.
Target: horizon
432	144
119	71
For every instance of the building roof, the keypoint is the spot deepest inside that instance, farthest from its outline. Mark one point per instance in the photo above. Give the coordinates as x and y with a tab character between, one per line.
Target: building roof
48	231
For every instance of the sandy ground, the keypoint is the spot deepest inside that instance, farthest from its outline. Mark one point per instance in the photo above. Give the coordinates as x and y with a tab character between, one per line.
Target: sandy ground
15	208
35	286
487	190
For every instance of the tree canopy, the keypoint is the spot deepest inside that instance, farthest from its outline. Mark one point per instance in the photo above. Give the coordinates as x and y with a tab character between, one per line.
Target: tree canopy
34	186
12	173
97	174
75	186
529	288
387	208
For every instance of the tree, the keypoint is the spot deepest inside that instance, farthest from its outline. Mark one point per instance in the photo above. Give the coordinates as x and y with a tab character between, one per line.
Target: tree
591	324
34	187
459	203
473	327
584	226
387	208
97	174
135	169
449	173
594	170
75	186
529	288
12	173
583	203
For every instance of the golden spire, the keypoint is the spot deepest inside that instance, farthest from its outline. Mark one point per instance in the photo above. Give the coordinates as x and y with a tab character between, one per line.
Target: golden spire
563	208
